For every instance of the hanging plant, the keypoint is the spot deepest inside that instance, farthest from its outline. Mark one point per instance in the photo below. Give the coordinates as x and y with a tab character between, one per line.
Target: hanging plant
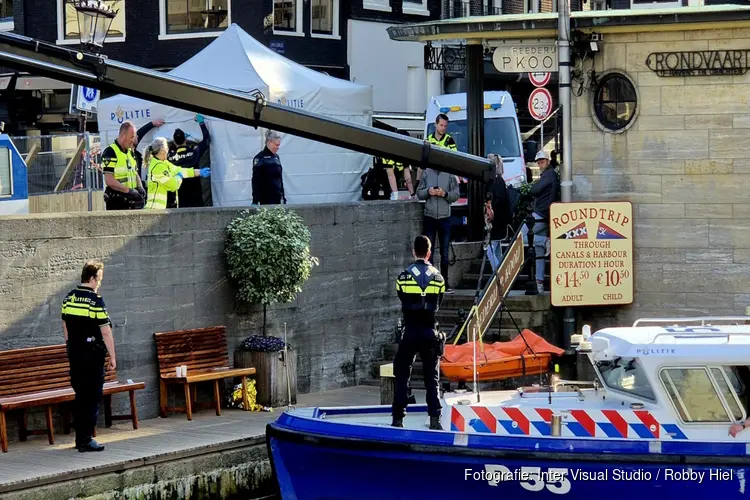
268	256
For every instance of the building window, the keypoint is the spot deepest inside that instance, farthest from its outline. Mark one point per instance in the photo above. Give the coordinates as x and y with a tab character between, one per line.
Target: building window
287	17
379	5
415	7
655	4
67	23
324	17
694	395
615	102
6	173
193	18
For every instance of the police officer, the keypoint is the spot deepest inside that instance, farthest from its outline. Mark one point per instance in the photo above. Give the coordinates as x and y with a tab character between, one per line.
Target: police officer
440	137
88	336
165	178
394	168
268	179
124	187
421	289
188	155
139	135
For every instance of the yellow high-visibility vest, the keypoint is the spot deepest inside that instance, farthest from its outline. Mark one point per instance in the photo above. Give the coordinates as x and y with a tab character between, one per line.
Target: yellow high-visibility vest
162	178
124	168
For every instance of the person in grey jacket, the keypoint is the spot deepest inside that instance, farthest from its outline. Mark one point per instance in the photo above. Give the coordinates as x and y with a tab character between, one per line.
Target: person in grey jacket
439	189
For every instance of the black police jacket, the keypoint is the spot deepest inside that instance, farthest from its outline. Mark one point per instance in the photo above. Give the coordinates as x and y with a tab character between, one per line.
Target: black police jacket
421	289
189	154
268	181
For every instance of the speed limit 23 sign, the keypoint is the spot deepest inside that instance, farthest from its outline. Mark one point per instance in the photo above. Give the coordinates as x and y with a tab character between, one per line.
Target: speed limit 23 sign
540	104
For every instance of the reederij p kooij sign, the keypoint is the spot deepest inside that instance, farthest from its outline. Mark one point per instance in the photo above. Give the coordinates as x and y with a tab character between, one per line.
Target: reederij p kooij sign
526	58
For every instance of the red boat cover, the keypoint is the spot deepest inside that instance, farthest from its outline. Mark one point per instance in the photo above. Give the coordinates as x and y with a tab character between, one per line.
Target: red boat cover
498	350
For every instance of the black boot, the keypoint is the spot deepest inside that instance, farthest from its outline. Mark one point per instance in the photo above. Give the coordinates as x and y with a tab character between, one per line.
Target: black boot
397	422
435	423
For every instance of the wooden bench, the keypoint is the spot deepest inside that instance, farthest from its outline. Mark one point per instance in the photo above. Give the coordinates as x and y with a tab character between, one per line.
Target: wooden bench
204	351
40	377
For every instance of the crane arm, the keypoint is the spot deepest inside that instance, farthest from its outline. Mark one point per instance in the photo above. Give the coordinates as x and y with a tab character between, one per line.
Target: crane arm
247	108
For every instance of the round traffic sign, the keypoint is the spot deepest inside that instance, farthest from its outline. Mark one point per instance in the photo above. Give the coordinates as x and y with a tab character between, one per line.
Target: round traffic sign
540	104
89	94
539	79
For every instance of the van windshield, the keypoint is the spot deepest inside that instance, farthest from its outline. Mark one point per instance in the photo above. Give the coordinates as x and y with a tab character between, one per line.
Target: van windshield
500	136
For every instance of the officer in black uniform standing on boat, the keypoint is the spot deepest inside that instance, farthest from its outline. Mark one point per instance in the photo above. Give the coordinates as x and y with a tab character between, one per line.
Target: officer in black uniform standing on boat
420	288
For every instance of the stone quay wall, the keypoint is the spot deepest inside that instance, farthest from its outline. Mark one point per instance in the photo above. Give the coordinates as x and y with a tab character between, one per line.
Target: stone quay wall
166	271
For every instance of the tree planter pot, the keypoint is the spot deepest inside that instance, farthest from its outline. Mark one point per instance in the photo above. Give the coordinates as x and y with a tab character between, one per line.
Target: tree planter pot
270	375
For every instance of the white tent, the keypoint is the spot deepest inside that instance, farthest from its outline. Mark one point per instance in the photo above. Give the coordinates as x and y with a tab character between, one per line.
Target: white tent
313	172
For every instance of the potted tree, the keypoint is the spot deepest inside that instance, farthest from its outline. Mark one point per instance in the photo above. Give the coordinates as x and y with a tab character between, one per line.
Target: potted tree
268	257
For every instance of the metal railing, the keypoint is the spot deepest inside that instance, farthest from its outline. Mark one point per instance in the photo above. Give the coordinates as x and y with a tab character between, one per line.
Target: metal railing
58	163
454	9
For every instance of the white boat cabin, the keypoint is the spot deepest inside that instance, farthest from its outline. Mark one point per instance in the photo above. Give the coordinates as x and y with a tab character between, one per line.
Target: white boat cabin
682	382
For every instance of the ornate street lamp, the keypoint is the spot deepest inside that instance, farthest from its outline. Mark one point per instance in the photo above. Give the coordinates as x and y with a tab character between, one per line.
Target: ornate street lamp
94	19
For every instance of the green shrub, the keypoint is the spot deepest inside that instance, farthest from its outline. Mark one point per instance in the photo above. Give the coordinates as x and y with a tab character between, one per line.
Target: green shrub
268	255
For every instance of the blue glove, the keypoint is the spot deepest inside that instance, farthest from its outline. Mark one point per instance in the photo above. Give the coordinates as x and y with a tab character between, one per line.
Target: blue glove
179	174
199	118
205	172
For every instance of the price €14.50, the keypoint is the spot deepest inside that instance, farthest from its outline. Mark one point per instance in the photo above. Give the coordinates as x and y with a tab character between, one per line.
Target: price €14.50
574	279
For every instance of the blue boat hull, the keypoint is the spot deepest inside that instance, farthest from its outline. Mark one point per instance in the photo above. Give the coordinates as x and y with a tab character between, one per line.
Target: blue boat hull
325	460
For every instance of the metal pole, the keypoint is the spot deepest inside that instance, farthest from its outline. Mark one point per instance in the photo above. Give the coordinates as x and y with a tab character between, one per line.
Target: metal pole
541	133
88	175
475	132
286	369
566	169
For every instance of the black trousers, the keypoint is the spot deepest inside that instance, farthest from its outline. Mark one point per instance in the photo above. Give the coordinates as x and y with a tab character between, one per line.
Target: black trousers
439	228
190	193
87	379
415	341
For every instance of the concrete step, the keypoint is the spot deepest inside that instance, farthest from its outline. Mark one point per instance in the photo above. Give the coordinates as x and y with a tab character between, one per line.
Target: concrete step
517	300
524	319
476	265
469	282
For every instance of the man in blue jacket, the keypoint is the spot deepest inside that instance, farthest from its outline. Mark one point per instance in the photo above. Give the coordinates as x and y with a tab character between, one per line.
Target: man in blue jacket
439	190
268	179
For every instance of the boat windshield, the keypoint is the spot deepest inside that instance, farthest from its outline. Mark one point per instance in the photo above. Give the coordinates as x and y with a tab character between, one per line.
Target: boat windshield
500	136
698	398
626	375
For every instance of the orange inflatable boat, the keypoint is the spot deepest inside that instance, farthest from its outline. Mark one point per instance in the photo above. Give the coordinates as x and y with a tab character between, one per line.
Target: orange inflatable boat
499	360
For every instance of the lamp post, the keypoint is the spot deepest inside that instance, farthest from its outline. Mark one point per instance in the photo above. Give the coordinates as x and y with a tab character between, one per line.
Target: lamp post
94	20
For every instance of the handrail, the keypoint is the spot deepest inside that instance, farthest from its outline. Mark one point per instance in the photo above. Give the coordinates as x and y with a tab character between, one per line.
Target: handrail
531	132
701	319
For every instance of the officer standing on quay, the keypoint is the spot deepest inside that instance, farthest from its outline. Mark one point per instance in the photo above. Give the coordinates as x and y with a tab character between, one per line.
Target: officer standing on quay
421	289
124	187
268	176
88	336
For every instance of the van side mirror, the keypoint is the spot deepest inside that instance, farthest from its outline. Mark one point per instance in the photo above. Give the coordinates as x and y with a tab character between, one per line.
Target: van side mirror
530	148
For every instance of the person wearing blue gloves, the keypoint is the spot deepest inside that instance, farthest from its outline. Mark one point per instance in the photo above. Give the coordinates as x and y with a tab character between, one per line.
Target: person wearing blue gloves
164	177
187	154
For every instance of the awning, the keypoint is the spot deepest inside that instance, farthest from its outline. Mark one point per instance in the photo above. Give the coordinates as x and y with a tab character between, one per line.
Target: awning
544	25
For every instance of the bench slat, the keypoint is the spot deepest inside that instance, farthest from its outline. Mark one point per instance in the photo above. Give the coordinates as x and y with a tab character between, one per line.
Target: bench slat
35	370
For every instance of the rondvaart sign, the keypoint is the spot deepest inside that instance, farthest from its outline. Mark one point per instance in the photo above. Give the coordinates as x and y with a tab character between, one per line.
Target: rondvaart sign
699	63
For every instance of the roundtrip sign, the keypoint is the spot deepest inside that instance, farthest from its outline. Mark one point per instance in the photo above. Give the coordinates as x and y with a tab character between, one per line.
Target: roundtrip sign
540	104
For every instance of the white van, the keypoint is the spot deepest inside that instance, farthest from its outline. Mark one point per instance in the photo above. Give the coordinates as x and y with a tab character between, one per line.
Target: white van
502	134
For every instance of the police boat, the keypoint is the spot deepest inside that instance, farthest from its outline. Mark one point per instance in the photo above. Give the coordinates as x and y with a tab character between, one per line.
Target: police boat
655	419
